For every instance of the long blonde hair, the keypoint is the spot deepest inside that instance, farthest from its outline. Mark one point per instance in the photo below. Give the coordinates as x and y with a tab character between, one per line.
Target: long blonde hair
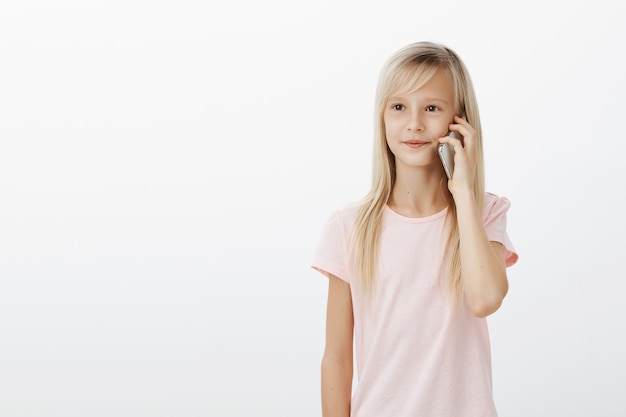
406	71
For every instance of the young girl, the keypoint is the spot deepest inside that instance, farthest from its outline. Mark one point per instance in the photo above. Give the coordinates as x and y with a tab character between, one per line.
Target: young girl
416	267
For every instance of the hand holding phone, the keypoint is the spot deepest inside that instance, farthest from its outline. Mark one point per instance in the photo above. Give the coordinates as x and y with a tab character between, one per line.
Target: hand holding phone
446	153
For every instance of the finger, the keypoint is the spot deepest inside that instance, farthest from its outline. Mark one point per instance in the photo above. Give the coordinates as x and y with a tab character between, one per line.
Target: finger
468	132
456	143
461	120
462	126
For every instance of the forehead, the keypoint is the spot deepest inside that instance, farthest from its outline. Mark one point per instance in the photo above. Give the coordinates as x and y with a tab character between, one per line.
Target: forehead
433	82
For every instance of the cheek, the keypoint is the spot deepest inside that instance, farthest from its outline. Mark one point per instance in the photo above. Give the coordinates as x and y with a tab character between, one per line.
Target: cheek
392	126
390	135
386	126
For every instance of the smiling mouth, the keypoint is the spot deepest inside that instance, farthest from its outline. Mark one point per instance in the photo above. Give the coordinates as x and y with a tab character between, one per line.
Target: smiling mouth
416	143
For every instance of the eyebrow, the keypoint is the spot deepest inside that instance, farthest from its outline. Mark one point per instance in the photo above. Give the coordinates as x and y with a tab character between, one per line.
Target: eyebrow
437	99
429	99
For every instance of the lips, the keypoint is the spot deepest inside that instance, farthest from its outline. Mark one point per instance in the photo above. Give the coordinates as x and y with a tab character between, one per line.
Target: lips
416	143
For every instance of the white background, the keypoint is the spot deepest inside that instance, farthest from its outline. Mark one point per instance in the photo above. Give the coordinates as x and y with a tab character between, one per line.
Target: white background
166	168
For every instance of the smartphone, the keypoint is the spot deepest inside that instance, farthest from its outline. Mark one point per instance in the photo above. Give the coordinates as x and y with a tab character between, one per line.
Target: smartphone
446	153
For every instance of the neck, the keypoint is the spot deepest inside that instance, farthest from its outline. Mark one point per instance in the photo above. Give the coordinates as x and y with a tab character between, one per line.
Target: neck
418	192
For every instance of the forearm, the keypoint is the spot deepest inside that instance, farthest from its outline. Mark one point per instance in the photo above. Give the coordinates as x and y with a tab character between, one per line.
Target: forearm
483	272
336	387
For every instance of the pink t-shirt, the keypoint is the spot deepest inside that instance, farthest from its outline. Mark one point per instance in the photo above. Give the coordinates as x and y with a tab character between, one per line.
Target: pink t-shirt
416	355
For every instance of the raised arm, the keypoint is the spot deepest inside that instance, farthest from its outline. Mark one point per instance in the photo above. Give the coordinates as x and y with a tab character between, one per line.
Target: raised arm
483	271
337	368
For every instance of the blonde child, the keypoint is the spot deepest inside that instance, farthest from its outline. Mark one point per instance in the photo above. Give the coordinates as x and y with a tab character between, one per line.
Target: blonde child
416	266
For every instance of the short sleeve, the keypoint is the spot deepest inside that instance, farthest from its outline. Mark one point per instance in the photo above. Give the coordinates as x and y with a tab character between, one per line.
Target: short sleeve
494	221
332	250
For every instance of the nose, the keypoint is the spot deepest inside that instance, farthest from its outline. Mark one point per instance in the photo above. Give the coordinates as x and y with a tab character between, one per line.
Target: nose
415	123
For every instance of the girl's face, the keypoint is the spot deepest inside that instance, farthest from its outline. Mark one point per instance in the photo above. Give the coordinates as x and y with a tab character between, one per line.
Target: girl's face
414	122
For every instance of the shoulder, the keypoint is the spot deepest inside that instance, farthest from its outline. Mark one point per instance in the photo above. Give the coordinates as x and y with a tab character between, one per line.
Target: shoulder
331	256
345	215
492	199
340	223
494	203
495	223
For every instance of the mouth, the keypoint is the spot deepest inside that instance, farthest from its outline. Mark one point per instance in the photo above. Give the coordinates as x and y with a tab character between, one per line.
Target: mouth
416	143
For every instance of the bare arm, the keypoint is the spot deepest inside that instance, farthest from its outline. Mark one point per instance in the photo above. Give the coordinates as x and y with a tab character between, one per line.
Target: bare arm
337	361
485	282
483	271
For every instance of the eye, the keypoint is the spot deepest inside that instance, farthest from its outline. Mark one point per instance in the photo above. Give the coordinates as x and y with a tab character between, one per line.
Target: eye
432	108
398	107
